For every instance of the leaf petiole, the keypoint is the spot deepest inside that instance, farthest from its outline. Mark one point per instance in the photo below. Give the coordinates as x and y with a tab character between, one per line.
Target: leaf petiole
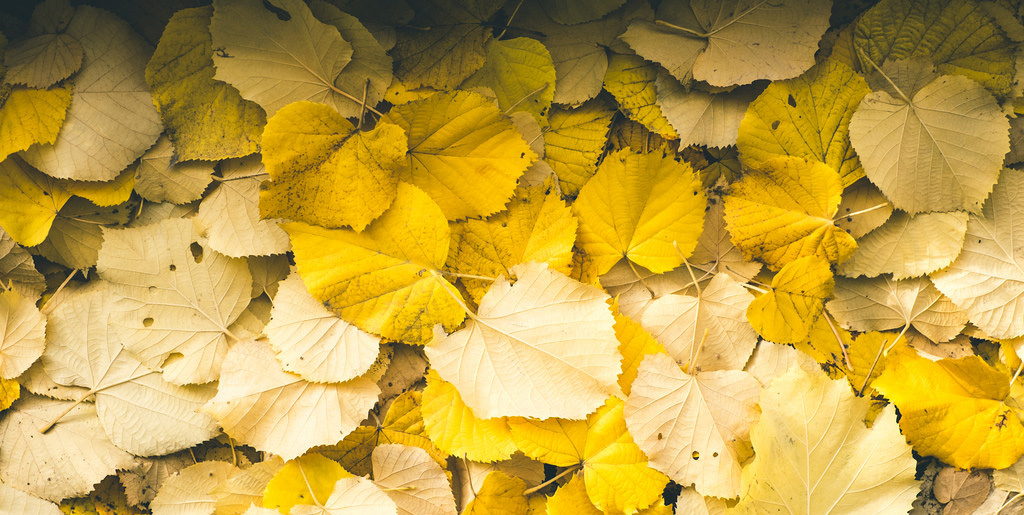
560	475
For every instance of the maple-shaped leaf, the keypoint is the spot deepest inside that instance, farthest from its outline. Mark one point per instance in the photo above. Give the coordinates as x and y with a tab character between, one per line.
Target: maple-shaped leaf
111	103
543	347
176	299
313	342
463	151
384	280
315	157
786	313
261	405
575	141
615	470
908	245
813	453
521	75
645	207
456	430
205	118
192	489
954	409
735	42
22	333
930	145
694	428
785	211
986	280
883	303
229	216
702	118
139	411
807	116
413	480
31	116
680	322
630	80
24	503
158	178
30	201
67	460
959	37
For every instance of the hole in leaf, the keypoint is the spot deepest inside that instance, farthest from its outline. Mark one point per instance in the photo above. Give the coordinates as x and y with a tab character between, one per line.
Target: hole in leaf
792	101
715	455
281	14
696	455
660	436
173	268
197	251
147	322
173	358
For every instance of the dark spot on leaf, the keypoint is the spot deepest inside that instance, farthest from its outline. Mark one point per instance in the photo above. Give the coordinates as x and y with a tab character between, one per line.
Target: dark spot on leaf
660	436
173	268
775	125
714	455
696	455
197	251
280	13
147	322
792	101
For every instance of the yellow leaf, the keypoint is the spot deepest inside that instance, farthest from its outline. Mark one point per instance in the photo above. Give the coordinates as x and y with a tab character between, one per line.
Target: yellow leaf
22	333
615	470
384	280
575	141
453	427
571	499
31	116
823	345
954	409
786	313
10	391
645	207
520	73
631	81
323	172
29	201
634	344
205	118
305	479
791	118
104	194
463	152
785	210
107	498
537	226
500	494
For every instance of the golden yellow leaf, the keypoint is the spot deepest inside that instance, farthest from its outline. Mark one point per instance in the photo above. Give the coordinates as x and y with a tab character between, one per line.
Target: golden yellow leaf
630	80
453	427
575	141
29	201
501	494
520	73
31	116
634	344
301	481
786	313
104	194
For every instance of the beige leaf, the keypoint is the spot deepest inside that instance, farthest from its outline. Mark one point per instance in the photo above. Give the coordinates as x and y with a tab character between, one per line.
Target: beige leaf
715	252
157	180
469	475
22	333
679	322
543	347
42	61
871	206
175	298
139	411
77	233
25	504
883	303
190	492
229	216
17	266
142	483
261	405
64	462
246	487
694	428
112	119
413	480
908	245
351	496
702	118
313	342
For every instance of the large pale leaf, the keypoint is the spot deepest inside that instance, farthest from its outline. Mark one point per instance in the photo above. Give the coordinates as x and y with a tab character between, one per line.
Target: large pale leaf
543	347
734	42
463	152
261	405
64	462
313	342
987	279
679	322
908	245
385	279
520	73
575	141
694	428
111	120
30	116
191	490
702	118
229	216
22	333
884	303
175	298
29	201
43	60
807	116
939	148
282	55
413	480
26	504
785	211
645	207
813	453
205	118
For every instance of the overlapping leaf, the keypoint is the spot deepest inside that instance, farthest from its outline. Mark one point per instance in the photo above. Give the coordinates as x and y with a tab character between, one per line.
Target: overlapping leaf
884	303
22	333
786	313
520	73
908	245
575	141
31	116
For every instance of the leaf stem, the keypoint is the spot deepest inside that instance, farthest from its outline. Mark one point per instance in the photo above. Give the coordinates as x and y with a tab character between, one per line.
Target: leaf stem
48	306
846	357
444	286
867	377
700	346
240	177
693	277
862	211
663	23
526	96
44	429
637	274
469	276
560	475
312	494
884	76
510	18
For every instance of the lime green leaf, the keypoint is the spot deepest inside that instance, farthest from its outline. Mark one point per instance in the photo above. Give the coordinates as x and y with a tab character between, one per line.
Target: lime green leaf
646	207
574	142
463	152
111	103
31	116
808	116
796	300
205	118
959	37
908	246
316	159
29	201
520	73
384	280
631	81
785	211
